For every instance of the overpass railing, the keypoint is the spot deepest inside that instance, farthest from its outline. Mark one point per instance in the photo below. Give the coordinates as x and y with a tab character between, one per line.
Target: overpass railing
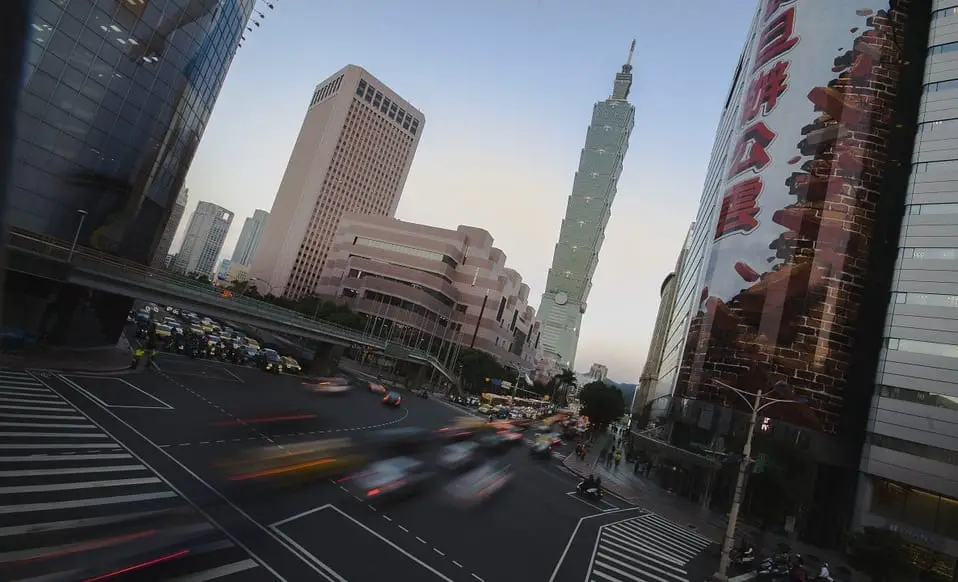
104	264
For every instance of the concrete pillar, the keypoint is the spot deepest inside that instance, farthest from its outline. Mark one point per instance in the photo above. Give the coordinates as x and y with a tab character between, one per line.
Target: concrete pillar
325	360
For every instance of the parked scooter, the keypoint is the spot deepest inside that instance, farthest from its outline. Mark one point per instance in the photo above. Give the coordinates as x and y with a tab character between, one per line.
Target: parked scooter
589	490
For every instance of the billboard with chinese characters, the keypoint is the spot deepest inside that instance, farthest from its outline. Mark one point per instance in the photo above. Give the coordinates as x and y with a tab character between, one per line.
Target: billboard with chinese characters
802	184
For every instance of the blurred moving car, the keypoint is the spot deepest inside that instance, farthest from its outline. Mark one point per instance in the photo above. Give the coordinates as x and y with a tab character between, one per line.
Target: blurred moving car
376	388
499	442
459	456
334	385
402	441
296	462
392	399
457	433
390	479
291	365
479	484
542	449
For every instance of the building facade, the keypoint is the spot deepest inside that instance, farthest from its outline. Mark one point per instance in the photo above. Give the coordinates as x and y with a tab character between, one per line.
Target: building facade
646	390
909	465
116	98
353	154
432	288
599	371
787	279
249	237
169	233
203	242
583	229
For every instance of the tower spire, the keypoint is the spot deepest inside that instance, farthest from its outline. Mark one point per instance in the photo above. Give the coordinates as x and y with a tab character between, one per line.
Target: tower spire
623	80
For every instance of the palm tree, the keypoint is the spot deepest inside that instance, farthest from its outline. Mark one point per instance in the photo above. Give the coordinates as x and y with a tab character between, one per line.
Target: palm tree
561	383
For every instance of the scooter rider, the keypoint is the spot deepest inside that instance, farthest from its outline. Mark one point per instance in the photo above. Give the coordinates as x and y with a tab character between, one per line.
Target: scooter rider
824	575
590	485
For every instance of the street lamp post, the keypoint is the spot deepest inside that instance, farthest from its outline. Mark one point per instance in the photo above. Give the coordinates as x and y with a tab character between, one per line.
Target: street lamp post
76	237
758	403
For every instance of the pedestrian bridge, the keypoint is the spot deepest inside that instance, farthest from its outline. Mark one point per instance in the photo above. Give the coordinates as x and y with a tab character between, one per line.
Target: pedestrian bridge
35	255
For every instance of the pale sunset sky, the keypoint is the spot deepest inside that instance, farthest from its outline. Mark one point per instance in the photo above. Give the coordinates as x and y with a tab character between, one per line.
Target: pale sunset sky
507	88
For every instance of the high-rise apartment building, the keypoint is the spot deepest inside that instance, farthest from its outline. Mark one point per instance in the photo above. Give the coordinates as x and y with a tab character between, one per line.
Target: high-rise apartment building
827	261
598	371
249	238
353	154
587	212
433	289
204	238
166	239
116	96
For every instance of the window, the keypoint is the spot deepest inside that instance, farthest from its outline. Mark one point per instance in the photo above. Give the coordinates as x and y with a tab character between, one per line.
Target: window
930	126
912	448
942	86
940	254
943	208
922	347
943	49
929	299
944	13
919	397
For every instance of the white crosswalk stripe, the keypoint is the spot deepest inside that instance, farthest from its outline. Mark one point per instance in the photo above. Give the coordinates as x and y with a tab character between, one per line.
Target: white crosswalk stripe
649	548
63	479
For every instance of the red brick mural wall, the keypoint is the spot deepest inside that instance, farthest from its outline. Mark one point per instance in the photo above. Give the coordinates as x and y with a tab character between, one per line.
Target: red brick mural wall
796	321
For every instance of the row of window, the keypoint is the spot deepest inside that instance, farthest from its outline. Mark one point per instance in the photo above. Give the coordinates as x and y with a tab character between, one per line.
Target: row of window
927	511
943	49
922	347
405	250
931	166
919	397
387	108
930	126
943	208
437	295
927	299
924	451
941	86
326	90
938	254
944	13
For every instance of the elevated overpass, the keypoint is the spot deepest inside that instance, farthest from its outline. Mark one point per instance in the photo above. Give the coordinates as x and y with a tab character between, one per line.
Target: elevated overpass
52	259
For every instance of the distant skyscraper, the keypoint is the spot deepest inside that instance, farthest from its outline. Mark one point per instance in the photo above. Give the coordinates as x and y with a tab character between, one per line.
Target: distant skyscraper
587	212
249	238
353	154
204	239
166	239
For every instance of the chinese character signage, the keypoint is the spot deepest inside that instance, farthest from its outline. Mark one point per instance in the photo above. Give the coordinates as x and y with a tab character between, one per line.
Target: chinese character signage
801	185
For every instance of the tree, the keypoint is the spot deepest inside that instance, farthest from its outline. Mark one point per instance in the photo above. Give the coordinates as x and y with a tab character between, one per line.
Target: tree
780	484
477	366
880	553
601	403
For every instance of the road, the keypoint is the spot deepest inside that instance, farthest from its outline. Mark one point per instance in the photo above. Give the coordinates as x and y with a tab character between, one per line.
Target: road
158	435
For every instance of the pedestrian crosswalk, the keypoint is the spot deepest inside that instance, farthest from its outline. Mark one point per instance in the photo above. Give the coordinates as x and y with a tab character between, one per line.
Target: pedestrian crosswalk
75	504
644	549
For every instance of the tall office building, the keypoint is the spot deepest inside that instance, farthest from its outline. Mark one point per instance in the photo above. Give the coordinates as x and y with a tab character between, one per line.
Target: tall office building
204	238
353	154
116	97
587	213
827	261
249	238
166	239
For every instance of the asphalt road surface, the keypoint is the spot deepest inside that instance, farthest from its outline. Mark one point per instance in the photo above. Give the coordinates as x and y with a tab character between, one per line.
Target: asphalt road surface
152	440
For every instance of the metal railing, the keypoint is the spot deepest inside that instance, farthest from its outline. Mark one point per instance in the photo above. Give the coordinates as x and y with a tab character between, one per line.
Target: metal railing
105	265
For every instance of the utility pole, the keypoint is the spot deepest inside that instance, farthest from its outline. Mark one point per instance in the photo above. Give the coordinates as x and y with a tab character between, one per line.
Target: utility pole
756	405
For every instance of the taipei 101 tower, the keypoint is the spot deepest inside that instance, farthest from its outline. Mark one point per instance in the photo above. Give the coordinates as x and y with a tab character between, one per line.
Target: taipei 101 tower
587	212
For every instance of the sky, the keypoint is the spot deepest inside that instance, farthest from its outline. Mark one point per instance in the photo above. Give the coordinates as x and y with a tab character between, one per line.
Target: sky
507	88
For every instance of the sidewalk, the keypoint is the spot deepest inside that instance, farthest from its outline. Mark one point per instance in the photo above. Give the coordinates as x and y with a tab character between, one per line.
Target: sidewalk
640	491
645	493
103	360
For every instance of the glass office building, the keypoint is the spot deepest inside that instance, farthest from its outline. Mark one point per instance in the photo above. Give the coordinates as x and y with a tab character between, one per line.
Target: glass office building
116	96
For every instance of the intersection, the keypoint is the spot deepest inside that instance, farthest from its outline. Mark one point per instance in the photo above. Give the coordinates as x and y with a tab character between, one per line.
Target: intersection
149	441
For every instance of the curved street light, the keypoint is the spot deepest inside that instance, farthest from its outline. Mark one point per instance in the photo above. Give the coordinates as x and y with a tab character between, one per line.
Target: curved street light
756	403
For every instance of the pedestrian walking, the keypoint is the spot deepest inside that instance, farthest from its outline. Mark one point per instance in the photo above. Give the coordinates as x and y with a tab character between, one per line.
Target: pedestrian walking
618	458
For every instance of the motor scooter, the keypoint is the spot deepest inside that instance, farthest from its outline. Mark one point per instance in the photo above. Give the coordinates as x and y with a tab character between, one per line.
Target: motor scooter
594	493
